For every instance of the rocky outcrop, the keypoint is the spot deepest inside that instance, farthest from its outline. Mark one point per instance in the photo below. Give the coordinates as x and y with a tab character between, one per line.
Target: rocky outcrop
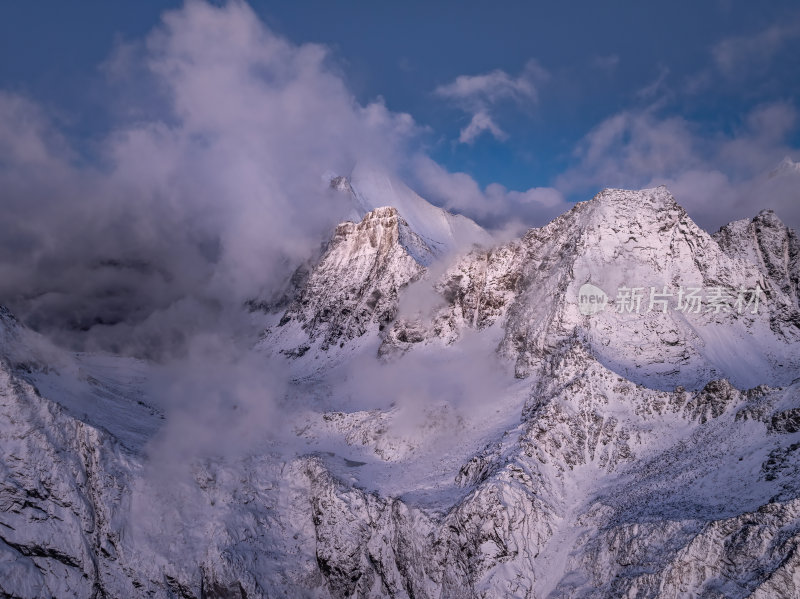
775	249
355	285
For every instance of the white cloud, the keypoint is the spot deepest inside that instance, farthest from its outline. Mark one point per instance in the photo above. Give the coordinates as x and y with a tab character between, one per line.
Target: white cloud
481	122
716	177
478	95
628	147
494	86
495	206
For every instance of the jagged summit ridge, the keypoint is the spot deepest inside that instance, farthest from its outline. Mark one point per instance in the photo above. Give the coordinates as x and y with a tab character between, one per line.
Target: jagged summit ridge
619	240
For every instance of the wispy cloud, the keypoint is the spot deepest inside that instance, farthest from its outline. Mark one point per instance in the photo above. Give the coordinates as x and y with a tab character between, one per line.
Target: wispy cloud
652	89
737	55
490	87
481	121
606	63
495	206
480	95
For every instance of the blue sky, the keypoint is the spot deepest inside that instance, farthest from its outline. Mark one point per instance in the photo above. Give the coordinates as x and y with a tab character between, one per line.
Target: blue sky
598	58
685	82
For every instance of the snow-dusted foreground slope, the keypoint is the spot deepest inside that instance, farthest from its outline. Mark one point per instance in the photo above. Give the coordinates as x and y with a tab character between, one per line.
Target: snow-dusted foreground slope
462	429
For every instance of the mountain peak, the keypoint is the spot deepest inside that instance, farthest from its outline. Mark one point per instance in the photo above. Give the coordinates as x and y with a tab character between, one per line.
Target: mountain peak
372	187
618	216
355	285
340	183
769	218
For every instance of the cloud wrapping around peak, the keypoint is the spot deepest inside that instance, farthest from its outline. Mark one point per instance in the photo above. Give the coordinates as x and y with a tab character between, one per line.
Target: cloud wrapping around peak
206	189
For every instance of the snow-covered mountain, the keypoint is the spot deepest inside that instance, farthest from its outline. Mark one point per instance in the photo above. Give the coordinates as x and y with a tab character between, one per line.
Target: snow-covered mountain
462	424
632	240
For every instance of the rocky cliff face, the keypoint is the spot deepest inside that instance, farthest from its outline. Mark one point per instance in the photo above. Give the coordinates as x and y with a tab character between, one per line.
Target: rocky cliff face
627	453
352	293
766	242
356	283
